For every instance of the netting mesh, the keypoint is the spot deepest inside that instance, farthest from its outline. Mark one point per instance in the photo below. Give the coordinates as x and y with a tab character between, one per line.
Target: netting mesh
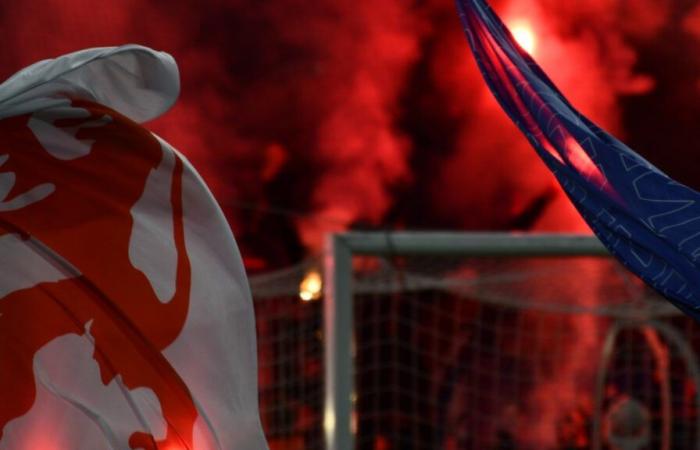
290	361
487	354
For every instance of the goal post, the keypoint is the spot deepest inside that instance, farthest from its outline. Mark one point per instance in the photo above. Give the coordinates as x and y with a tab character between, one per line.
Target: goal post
338	415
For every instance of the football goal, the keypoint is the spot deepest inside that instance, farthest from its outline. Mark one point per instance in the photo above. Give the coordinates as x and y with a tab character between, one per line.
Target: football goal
475	341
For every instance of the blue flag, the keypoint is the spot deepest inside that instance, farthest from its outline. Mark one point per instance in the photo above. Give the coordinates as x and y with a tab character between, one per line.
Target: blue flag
650	222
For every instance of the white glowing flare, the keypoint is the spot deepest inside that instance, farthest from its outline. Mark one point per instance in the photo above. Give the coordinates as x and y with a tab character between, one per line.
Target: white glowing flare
311	286
525	37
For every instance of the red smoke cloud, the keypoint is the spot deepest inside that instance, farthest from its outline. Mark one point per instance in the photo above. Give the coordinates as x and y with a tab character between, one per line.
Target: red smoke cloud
305	91
307	117
340	114
359	73
492	169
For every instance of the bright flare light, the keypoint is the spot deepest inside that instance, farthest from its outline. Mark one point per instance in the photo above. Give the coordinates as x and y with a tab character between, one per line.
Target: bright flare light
523	34
311	286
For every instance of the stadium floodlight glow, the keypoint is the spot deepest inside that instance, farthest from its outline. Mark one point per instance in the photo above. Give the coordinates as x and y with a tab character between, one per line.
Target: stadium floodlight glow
311	286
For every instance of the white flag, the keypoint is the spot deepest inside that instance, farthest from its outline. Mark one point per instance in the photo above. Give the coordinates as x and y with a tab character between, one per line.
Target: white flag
125	315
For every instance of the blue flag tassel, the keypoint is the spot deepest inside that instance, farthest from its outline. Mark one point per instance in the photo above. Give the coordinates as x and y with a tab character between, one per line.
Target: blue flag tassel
650	222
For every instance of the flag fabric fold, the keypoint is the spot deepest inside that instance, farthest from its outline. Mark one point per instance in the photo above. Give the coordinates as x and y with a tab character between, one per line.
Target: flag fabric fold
126	319
650	222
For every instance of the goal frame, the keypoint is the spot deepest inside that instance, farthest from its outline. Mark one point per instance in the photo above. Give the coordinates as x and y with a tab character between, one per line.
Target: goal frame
339	424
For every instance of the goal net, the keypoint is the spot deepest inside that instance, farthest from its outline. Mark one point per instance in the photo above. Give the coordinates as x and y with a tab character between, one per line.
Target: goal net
477	342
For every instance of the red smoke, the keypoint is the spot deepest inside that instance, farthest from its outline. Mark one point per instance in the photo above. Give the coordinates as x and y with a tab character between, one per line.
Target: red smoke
306	117
339	113
304	92
493	169
359	148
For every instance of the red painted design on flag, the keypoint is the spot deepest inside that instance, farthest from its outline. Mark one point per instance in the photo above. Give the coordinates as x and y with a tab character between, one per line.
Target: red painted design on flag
86	220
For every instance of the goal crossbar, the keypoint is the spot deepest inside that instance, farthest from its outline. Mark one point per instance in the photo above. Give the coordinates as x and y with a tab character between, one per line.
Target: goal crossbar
338	421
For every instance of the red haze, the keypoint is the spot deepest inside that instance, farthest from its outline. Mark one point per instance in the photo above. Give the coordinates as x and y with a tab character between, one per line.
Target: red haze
306	117
339	114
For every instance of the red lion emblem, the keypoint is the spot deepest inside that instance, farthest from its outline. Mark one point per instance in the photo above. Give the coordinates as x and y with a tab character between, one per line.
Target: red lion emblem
91	231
